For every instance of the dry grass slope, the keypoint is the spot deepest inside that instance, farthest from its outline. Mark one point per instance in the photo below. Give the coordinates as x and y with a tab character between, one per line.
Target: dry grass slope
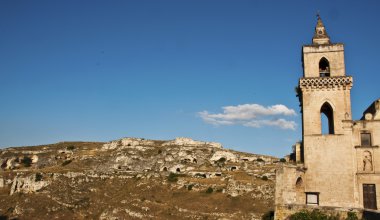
134	179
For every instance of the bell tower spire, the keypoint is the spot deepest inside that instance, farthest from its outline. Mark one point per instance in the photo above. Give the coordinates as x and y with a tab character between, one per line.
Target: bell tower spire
320	35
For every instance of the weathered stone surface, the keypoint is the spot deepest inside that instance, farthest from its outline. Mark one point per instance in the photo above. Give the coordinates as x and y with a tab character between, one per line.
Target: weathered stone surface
182	141
29	184
224	154
133	143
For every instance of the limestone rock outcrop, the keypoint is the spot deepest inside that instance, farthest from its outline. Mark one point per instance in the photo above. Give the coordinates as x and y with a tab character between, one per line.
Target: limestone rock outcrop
182	141
228	156
28	184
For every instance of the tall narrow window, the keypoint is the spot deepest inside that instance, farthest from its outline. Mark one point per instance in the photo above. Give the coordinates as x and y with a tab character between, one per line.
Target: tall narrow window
365	139
324	67
327	119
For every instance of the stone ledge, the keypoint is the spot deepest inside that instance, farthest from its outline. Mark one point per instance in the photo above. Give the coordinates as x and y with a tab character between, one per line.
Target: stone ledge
315	48
368	173
359	146
325	135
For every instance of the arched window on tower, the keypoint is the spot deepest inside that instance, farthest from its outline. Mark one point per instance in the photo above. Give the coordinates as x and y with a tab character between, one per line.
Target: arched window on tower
299	183
324	67
327	119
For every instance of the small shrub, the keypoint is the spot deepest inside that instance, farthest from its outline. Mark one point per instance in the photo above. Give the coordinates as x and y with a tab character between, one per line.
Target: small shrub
66	162
265	178
26	161
352	216
221	160
159	151
200	175
282	160
173	177
190	187
71	147
209	190
38	177
313	215
269	215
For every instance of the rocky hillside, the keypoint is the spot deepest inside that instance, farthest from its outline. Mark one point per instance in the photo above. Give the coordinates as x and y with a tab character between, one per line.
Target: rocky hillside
135	178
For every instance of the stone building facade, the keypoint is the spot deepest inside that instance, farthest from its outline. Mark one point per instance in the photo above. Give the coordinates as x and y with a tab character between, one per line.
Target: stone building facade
337	164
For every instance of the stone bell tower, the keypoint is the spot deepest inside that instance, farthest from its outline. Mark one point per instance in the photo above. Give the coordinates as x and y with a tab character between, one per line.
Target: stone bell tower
336	167
324	92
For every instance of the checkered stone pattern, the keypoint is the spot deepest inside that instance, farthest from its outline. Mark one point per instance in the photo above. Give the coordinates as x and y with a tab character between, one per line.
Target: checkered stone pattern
335	82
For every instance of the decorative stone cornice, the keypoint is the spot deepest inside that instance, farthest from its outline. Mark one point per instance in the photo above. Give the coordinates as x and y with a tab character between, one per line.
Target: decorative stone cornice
335	82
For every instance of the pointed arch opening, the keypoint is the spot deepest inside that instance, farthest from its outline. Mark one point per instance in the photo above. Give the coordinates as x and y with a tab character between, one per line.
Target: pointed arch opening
327	119
299	183
324	67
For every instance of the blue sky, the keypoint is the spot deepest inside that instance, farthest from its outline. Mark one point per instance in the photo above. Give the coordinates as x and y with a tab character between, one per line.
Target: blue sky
102	70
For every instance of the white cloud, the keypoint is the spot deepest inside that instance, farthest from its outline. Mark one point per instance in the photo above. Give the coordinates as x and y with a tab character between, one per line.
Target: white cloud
252	115
281	123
